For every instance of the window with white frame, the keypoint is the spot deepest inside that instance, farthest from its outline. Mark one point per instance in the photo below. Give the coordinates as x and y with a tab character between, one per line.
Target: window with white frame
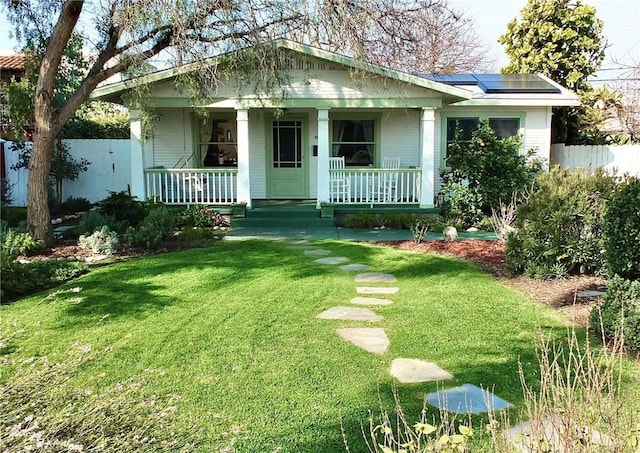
217	145
355	140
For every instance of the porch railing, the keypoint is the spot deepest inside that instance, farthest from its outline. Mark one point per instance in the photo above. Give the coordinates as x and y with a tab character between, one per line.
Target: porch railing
374	186
192	186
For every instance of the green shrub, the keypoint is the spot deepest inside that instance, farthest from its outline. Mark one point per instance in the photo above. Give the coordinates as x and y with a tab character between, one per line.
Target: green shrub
16	243
560	226
155	228
103	241
21	279
419	229
622	230
196	235
482	172
619	312
76	204
359	221
124	209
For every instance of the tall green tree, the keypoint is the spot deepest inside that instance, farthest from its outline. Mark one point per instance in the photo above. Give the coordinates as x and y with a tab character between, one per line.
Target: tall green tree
125	34
561	39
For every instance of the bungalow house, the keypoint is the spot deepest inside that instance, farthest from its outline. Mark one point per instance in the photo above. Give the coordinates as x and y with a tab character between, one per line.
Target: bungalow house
341	132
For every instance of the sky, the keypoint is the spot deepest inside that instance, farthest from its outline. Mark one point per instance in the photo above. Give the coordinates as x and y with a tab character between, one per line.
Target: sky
621	29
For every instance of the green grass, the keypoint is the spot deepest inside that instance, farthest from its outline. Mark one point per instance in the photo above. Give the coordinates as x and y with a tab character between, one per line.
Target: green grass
232	330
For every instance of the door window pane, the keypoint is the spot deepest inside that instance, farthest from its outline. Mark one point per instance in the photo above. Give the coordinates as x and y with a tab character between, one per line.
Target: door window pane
287	144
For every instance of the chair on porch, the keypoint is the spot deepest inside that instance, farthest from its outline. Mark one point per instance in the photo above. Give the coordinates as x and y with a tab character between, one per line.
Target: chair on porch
194	187
385	190
339	182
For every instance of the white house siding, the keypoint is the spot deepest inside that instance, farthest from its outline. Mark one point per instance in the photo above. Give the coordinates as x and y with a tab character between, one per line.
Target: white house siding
537	134
400	136
173	138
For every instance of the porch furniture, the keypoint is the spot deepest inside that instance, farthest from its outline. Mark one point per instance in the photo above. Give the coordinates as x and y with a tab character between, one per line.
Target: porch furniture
339	182
384	189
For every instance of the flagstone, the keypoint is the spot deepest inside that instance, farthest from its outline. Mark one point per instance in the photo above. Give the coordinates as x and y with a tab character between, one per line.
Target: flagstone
466	399
410	371
317	252
590	293
375	277
355	267
349	313
332	260
377	290
370	339
370	301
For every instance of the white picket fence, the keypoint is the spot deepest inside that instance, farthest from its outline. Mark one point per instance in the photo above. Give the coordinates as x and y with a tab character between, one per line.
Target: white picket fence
110	170
621	159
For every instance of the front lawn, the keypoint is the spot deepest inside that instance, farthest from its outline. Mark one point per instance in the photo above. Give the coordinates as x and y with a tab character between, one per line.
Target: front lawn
220	348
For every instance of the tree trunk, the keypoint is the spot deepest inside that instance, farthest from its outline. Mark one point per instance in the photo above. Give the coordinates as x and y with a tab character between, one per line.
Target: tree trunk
38	217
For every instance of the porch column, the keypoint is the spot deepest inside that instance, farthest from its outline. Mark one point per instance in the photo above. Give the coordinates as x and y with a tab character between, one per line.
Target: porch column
244	173
323	156
138	185
427	157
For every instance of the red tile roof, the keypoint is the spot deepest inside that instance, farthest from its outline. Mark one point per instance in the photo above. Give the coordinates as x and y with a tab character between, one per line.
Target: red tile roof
12	62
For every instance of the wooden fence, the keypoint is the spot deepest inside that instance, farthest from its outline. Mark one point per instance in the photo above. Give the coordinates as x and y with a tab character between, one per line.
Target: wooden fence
621	159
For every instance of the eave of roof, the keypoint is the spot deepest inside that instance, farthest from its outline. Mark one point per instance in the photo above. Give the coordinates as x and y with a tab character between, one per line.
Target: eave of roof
13	62
455	93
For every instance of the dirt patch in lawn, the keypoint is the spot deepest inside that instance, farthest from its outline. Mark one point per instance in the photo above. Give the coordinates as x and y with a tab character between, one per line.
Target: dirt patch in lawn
489	255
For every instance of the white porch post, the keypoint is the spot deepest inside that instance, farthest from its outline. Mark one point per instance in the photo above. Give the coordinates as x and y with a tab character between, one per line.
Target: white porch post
427	158
138	185
323	156
244	171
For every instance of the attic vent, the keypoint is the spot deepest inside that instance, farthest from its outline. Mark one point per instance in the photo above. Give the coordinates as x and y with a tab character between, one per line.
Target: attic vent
292	63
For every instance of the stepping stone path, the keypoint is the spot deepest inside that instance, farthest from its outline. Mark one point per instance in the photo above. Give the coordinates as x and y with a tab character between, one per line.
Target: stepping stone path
317	252
349	314
375	277
332	260
466	399
370	339
370	301
410	371
355	267
377	290
590	293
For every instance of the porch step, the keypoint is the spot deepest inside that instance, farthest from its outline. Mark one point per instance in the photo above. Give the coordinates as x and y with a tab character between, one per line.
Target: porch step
288	214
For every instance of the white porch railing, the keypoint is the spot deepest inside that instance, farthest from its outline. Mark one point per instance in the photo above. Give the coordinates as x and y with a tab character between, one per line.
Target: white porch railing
192	186
374	186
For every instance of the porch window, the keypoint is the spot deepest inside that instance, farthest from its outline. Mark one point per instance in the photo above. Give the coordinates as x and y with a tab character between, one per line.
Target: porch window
354	140
218	146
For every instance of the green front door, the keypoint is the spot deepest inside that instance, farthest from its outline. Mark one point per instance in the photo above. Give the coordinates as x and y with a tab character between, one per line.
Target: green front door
287	160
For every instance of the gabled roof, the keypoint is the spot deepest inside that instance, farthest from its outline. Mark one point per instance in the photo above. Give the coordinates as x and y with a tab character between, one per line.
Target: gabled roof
455	93
13	62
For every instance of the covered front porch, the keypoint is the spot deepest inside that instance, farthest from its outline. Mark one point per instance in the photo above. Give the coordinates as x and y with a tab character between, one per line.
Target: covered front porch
304	166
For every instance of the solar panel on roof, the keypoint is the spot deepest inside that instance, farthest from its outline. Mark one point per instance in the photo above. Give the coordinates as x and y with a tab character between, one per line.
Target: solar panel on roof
514	83
498	83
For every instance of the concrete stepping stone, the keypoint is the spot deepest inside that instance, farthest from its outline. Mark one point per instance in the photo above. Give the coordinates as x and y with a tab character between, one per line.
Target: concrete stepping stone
317	252
370	301
409	371
332	260
377	290
590	293
375	277
303	247
466	399
350	314
355	267
524	436
370	339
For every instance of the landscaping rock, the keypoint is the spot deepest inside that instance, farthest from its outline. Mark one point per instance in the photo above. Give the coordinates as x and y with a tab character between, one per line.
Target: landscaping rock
370	339
450	234
410	371
349	314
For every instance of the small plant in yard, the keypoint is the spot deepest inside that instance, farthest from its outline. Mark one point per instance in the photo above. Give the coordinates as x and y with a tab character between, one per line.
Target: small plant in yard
622	229
76	204
103	241
419	229
156	227
16	243
202	216
125	210
504	218
619	312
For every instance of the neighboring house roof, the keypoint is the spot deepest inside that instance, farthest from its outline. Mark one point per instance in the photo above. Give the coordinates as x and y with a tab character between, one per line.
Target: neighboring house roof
456	89
13	62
